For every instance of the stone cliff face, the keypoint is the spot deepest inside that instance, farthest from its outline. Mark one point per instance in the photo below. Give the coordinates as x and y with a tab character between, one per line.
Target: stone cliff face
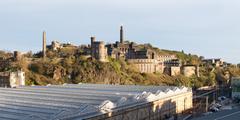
58	73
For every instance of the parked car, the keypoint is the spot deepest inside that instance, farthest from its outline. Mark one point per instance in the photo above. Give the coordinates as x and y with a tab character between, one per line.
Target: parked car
214	109
217	105
222	98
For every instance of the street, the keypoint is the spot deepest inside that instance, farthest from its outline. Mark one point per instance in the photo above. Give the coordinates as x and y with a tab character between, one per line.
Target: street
233	114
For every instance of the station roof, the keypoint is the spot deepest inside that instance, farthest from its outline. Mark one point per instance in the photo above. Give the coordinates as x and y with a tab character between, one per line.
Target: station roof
77	101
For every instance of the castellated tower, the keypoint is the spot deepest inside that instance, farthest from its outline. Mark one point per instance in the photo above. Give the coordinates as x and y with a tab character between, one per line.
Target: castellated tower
121	34
44	48
98	50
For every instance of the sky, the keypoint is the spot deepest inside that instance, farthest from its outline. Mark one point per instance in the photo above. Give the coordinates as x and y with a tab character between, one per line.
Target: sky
208	28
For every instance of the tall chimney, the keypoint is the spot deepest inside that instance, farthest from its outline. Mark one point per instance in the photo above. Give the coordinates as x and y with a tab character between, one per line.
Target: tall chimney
121	34
44	48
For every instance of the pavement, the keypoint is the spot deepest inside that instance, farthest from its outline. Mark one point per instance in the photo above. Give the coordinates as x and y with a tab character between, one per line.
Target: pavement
233	114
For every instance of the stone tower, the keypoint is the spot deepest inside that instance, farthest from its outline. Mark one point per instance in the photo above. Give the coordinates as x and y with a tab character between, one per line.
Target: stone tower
92	40
98	50
44	48
102	52
92	45
17	55
121	34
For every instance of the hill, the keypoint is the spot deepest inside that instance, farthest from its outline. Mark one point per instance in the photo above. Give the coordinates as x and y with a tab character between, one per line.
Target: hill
71	65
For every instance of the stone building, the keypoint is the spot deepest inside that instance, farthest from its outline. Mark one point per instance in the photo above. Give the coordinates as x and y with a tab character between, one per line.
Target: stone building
172	70
119	48
141	54
12	79
172	62
98	50
166	57
56	45
147	65
175	70
172	65
215	62
146	60
17	55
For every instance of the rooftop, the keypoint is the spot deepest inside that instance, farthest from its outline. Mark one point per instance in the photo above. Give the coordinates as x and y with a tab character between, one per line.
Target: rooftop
78	101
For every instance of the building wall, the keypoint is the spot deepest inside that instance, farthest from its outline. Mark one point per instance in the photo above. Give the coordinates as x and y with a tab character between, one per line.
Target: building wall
175	71
17	55
166	57
12	79
155	65
99	51
56	45
118	49
4	79
213	62
188	71
172	63
102	53
141	54
157	110
235	84
147	65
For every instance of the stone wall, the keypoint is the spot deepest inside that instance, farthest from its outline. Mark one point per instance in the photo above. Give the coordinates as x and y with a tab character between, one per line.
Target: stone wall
175	71
56	45
147	65
235	85
17	55
166	57
17	78
12	79
4	79
188	71
99	51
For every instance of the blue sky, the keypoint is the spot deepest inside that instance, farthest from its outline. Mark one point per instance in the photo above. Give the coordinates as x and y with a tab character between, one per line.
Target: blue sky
204	27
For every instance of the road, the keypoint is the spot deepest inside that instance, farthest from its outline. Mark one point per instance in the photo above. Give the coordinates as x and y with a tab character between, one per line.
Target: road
233	114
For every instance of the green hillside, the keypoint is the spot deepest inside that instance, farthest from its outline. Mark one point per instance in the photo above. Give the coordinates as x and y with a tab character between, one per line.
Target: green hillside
70	65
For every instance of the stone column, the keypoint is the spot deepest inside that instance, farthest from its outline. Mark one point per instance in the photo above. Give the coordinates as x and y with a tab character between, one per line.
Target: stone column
44	45
121	35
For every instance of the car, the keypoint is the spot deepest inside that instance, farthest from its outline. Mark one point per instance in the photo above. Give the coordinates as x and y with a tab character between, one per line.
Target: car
222	98
214	109
217	105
